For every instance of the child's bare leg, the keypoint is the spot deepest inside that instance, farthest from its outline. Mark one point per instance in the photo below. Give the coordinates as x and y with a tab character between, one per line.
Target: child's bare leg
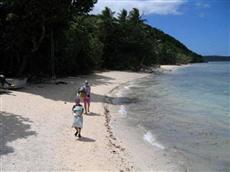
76	131
79	131
85	107
88	106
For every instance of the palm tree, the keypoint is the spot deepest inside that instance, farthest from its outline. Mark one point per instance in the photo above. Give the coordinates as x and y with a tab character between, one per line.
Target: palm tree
134	16
122	17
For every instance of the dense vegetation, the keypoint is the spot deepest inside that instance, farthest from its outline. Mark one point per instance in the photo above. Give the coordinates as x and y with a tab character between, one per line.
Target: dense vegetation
59	37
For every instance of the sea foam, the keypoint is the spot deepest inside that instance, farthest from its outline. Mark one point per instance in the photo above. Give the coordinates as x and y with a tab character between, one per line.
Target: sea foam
123	111
149	137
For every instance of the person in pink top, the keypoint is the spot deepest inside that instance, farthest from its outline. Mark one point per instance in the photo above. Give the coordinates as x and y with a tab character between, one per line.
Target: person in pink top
86	99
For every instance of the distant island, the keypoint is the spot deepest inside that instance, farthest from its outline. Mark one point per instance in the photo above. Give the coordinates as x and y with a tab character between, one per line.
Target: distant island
216	58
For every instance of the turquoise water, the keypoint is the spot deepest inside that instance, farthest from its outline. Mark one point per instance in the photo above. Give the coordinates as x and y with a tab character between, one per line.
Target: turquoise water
187	110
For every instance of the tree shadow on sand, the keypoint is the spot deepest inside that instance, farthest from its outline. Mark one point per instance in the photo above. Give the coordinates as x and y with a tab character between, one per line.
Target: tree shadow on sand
57	92
13	127
5	91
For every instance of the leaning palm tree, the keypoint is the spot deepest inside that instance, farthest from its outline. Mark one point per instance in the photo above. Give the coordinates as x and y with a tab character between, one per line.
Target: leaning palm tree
135	17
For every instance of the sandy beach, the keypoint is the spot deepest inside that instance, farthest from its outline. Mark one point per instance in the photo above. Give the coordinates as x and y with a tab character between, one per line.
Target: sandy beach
36	133
168	68
103	86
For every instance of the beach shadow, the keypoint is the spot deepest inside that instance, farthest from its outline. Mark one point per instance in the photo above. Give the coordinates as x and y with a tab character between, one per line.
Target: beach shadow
92	114
13	127
113	100
4	91
86	139
57	92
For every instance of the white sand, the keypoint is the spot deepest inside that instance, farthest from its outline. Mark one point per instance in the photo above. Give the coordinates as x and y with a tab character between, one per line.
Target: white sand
36	133
172	67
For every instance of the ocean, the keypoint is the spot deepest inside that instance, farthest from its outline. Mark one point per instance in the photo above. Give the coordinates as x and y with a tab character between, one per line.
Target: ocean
178	120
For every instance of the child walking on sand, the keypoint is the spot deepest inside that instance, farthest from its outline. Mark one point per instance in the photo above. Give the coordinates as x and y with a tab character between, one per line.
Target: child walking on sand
78	118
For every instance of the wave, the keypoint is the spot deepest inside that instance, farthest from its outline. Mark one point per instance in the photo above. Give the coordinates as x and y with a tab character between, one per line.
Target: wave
150	138
122	110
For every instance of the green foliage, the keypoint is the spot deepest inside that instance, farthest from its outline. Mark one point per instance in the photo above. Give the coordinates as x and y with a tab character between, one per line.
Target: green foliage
82	7
129	43
83	51
126	44
31	30
59	37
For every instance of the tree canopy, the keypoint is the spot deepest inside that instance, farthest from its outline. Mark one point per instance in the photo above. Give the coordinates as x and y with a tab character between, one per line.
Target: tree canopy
49	38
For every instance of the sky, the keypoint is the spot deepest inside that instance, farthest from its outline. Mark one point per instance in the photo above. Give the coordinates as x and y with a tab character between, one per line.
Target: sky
201	25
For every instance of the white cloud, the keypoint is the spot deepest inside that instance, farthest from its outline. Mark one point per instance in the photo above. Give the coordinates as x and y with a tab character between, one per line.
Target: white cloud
202	8
146	7
201	15
202	5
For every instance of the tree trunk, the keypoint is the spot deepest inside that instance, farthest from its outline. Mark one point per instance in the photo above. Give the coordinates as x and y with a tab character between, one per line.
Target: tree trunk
140	65
37	43
53	75
23	65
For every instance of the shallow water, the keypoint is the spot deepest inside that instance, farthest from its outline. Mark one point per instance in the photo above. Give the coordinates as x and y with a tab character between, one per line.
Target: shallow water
186	110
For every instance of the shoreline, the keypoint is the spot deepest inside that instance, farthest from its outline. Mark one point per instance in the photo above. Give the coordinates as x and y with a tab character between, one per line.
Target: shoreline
141	139
137	149
37	133
170	68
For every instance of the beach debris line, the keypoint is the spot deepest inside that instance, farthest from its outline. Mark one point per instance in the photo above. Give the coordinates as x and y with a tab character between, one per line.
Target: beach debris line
113	141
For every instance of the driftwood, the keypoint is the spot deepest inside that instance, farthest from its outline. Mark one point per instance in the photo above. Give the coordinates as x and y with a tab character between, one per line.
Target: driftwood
15	83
